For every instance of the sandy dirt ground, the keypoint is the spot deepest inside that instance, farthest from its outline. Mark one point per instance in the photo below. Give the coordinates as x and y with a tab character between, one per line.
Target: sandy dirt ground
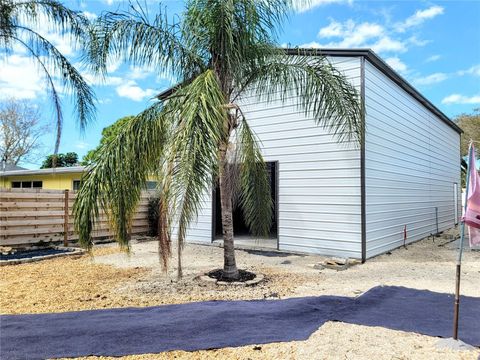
114	279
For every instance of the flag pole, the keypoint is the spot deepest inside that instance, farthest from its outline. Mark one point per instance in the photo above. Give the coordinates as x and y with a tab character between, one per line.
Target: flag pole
460	252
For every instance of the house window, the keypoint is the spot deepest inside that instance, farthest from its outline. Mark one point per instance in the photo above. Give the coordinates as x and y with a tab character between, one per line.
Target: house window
151	185
76	185
27	184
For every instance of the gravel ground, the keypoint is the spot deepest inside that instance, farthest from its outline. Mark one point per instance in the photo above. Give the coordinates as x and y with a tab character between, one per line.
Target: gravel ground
63	284
113	279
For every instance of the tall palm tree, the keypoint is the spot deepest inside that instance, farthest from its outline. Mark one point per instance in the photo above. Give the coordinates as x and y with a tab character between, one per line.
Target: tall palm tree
218	51
18	21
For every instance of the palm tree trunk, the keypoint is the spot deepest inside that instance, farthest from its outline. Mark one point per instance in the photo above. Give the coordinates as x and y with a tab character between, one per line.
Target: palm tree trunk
229	264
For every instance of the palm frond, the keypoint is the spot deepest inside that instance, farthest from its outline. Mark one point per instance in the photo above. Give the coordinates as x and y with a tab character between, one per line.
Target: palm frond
55	97
61	68
41	14
50	13
320	90
121	167
155	44
16	19
201	127
233	33
255	193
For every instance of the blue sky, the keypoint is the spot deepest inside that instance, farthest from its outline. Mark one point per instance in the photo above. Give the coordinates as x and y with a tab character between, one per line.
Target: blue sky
435	45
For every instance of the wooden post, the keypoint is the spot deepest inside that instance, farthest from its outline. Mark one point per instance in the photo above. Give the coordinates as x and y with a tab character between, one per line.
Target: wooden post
65	218
456	307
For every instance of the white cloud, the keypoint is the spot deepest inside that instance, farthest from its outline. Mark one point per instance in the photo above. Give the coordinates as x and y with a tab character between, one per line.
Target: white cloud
89	15
433	58
132	91
306	5
474	70
387	44
351	32
356	35
419	17
461	99
139	72
431	79
334	29
382	38
113	65
62	43
417	42
397	64
20	78
92	80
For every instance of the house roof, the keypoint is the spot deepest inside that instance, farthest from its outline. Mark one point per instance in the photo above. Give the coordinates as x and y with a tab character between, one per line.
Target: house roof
50	171
10	167
376	61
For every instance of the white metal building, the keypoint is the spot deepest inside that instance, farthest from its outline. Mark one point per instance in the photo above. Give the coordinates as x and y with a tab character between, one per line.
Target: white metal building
335	199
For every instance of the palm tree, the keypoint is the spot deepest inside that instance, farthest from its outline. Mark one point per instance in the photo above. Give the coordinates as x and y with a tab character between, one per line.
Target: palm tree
218	51
18	19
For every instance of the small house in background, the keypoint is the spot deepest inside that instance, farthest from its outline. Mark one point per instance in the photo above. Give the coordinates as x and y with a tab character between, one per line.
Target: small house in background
402	183
60	178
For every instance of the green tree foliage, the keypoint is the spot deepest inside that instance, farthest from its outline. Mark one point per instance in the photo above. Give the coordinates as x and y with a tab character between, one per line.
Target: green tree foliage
60	160
18	21
470	124
108	134
219	51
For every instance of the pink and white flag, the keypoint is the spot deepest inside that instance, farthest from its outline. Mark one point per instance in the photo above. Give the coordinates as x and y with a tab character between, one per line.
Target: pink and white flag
472	213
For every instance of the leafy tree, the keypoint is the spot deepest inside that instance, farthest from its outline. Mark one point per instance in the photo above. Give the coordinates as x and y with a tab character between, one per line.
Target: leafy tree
108	134
218	50
470	124
20	130
60	160
18	19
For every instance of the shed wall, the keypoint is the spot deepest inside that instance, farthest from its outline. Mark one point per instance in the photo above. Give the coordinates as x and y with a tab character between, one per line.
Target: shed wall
318	179
411	165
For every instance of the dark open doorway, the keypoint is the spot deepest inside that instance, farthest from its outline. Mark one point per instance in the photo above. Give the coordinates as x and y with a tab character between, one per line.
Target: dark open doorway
240	228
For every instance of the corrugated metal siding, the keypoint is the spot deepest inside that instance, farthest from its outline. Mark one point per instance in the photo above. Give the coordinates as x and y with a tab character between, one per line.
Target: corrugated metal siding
412	162
200	230
318	179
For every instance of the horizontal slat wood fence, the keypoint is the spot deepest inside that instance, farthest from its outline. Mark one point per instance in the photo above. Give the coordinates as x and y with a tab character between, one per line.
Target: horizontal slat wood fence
30	216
